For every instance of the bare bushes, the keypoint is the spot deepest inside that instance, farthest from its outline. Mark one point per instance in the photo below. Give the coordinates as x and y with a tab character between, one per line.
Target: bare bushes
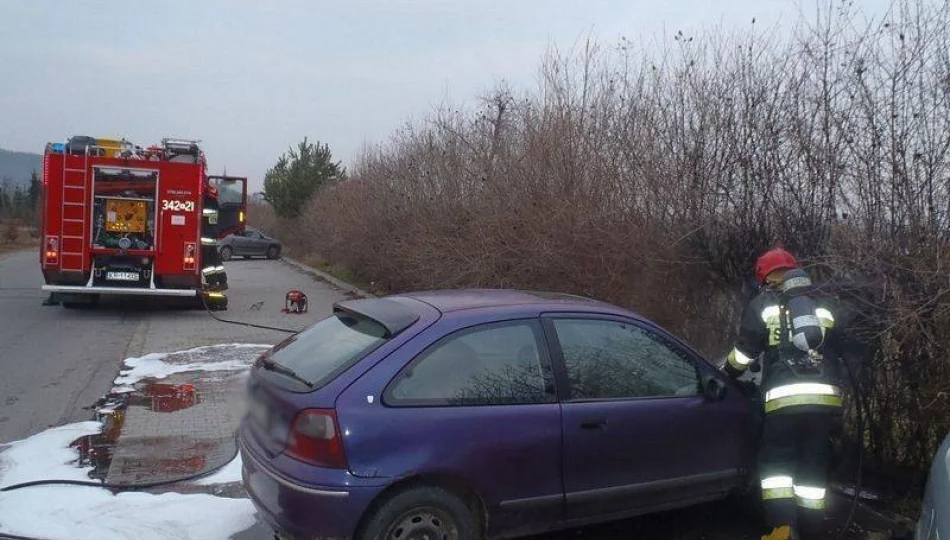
654	179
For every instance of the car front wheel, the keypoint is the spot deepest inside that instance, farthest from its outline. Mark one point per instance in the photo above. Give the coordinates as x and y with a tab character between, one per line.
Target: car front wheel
420	513
273	252
226	253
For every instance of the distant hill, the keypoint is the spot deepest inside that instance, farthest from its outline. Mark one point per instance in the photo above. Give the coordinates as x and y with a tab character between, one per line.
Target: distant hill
15	167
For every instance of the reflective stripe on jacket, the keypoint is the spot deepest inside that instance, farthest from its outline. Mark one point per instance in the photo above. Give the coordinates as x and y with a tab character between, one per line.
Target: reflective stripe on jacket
802	394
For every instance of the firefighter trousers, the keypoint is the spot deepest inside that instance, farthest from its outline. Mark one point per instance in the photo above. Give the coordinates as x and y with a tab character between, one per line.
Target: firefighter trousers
793	465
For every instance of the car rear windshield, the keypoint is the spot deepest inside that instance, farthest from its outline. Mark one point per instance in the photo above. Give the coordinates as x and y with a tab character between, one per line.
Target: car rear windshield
328	348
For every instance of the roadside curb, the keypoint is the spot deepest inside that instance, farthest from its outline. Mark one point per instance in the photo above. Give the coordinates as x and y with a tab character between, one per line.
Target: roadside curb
319	274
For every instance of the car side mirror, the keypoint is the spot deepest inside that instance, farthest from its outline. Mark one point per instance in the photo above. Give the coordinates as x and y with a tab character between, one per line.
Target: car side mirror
714	389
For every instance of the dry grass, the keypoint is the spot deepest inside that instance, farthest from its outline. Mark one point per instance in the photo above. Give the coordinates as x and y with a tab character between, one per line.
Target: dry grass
17	237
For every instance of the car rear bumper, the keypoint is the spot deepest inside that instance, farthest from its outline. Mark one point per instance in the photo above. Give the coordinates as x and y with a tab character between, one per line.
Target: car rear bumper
300	511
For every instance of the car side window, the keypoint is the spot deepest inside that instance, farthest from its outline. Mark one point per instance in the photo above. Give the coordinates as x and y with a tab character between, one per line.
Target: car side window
493	364
608	359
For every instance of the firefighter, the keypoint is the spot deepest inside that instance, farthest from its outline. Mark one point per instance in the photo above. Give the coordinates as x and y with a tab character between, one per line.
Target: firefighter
791	336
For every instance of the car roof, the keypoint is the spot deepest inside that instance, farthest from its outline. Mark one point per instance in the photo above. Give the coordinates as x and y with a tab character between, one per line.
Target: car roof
447	301
402	310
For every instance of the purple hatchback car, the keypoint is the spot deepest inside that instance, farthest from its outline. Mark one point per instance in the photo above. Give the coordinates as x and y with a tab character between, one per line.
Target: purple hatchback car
484	414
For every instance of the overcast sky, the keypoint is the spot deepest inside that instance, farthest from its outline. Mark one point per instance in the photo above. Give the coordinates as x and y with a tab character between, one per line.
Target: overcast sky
251	77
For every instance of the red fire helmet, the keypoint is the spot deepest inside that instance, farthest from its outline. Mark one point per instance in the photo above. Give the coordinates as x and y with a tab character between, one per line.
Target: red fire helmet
772	260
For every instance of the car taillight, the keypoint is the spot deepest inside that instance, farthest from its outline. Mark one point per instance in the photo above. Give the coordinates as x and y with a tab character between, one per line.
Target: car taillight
315	438
52	250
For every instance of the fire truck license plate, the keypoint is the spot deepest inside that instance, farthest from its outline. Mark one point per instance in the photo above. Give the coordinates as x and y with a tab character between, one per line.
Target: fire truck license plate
122	276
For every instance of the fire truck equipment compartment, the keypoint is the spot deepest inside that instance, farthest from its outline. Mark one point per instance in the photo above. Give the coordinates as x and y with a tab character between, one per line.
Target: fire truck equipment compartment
126	215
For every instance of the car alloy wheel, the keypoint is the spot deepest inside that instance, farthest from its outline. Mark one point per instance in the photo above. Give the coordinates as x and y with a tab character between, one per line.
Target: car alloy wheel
226	253
423	523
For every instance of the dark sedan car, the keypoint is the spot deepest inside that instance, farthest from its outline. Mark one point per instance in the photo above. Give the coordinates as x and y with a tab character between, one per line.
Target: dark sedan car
470	414
250	243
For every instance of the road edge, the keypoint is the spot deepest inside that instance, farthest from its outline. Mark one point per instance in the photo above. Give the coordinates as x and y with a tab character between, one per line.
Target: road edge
323	276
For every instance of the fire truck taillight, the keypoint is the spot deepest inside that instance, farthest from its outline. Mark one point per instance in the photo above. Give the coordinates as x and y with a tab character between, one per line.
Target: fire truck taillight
52	250
188	261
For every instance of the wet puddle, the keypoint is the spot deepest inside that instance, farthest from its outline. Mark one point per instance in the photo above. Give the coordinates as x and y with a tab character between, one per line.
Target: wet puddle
97	450
163	397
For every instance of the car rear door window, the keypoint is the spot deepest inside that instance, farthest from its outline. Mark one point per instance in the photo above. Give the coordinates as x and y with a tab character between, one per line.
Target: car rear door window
499	363
608	359
327	348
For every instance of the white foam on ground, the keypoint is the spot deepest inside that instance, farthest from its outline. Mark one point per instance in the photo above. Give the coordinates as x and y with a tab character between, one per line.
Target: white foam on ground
228	474
208	358
65	512
61	512
46	455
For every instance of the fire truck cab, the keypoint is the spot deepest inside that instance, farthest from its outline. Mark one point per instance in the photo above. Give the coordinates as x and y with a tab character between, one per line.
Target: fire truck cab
119	219
232	203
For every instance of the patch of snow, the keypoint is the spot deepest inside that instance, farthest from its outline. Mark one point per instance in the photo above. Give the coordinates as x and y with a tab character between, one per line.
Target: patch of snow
66	512
228	357
228	474
46	455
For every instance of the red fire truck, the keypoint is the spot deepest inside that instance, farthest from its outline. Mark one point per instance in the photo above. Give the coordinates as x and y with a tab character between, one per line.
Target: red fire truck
119	219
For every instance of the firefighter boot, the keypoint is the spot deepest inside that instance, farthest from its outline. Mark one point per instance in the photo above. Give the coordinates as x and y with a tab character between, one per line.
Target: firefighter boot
784	532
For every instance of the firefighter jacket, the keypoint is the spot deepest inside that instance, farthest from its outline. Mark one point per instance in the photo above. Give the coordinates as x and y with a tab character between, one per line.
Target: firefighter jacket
793	380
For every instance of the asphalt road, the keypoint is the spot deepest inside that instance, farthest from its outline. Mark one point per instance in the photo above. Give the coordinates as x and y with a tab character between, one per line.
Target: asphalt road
56	362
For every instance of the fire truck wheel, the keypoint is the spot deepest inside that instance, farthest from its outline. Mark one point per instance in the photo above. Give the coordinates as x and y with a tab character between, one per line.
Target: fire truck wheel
273	252
226	253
